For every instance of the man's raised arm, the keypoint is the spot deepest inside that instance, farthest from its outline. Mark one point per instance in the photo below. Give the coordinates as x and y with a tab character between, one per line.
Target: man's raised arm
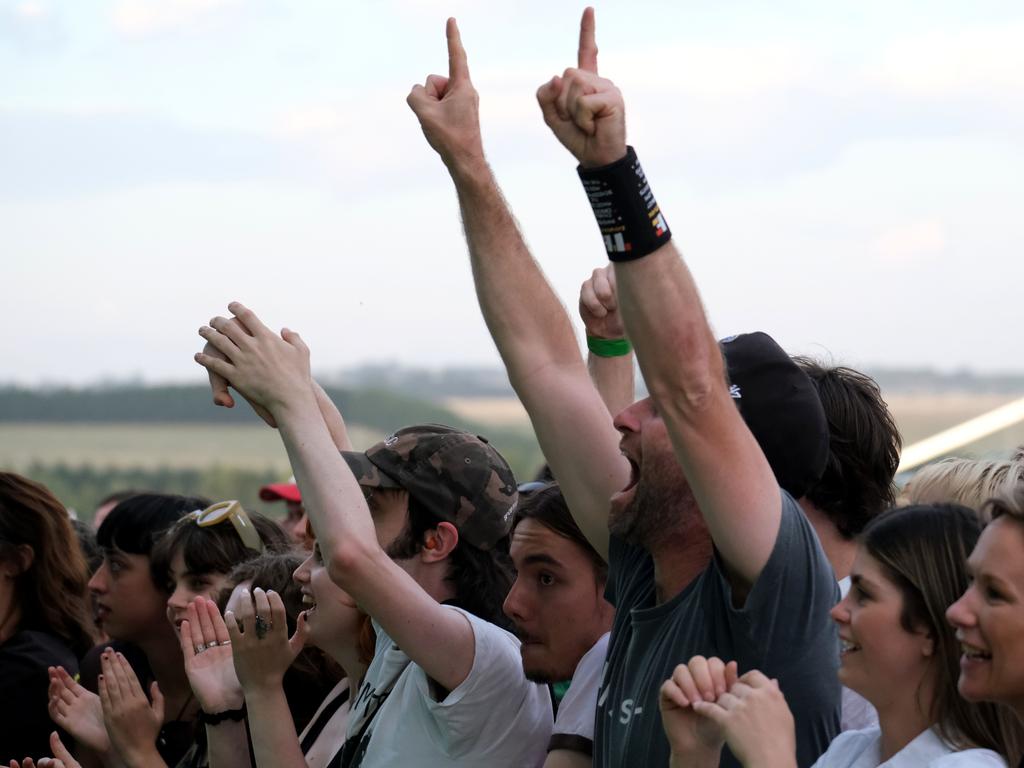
527	321
678	355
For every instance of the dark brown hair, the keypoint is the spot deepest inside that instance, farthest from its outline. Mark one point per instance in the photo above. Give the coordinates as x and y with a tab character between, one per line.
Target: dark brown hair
924	550
313	673
547	506
213	548
863	447
51	590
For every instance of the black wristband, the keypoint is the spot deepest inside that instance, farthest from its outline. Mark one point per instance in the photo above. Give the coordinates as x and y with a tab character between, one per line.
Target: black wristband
627	213
219	717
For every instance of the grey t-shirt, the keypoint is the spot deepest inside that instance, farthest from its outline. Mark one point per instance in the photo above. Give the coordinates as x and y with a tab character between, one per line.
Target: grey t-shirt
783	629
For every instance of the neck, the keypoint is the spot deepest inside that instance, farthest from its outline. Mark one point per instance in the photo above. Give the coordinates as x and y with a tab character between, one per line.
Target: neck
839	550
679	557
163	652
433	578
903	719
348	657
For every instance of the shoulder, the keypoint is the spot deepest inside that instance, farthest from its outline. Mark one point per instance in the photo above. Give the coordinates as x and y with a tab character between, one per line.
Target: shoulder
983	758
847	747
32	649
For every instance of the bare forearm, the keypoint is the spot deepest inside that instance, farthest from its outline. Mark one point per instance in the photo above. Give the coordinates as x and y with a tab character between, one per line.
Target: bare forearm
333	418
529	325
227	745
665	321
613	378
332	497
274	741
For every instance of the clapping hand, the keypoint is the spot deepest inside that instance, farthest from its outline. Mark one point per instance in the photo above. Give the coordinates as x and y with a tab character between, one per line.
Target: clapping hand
269	370
77	710
262	650
206	648
586	112
132	722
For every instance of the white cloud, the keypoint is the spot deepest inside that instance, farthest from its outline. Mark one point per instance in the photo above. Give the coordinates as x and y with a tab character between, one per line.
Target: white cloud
141	18
31	9
912	242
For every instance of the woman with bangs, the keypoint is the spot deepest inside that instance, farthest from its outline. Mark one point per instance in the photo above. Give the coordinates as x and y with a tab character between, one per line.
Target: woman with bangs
897	651
245	659
44	614
192	559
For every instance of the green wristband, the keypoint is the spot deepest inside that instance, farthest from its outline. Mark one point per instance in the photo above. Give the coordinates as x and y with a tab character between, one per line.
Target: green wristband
609	347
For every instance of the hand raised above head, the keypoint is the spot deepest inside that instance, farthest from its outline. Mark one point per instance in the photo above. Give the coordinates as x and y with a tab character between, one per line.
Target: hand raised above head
448	108
585	111
219	385
599	306
270	370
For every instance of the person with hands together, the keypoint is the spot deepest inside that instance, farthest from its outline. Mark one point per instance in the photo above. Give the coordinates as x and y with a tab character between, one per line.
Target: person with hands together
401	537
695	741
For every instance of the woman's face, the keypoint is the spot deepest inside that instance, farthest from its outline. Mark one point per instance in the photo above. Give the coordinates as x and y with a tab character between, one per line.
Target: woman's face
331	614
879	659
186	586
989	618
128	604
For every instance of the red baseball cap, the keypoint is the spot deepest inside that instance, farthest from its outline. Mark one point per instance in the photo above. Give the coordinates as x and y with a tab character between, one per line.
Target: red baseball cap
276	491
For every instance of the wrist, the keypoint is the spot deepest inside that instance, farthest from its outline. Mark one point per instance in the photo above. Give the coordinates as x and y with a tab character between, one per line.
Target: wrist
602	158
608	347
469	170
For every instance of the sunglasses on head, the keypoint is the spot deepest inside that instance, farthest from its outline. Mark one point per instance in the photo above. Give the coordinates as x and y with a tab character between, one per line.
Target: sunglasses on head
232	511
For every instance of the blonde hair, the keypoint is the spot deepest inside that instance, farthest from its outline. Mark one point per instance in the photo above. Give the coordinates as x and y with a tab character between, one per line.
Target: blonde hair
970	482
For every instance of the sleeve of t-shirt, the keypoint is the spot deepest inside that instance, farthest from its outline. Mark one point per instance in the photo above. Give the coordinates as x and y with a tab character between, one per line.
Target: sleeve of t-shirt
574	724
791	599
494	699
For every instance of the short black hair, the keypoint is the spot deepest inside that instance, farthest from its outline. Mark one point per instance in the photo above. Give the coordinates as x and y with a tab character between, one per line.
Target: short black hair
215	548
136	523
863	451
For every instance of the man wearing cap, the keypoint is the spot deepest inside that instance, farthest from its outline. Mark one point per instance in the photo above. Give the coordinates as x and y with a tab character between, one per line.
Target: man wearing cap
294	522
416	531
708	552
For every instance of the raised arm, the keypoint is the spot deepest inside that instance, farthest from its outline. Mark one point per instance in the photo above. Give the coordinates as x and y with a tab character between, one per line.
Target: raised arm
272	371
610	358
680	360
529	325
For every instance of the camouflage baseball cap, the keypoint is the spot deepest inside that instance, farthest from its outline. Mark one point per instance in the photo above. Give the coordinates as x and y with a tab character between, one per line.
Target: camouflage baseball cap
456	475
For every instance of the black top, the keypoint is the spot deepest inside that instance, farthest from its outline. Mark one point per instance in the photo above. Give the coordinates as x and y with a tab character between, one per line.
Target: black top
25	724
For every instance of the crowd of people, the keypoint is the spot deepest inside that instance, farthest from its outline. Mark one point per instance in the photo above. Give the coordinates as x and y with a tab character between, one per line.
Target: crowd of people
719	574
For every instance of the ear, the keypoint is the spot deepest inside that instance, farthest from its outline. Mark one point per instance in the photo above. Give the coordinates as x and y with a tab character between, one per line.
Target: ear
928	646
20	562
439	542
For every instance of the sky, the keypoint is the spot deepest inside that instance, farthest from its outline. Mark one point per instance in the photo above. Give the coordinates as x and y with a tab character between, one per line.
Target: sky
848	176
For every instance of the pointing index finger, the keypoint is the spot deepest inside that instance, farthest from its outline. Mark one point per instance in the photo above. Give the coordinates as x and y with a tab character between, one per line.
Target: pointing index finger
587	56
458	67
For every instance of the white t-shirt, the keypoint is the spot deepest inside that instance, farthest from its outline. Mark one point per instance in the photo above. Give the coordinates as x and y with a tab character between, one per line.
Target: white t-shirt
857	714
860	749
494	717
574	723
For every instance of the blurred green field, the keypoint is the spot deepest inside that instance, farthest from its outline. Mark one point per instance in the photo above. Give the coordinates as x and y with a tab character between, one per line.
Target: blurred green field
176	446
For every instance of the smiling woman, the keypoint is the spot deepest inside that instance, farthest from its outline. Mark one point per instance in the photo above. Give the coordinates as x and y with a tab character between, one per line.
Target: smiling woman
989	617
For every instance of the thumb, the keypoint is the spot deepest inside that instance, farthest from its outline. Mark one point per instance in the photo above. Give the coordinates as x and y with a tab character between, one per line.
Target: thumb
711	711
298	640
158	700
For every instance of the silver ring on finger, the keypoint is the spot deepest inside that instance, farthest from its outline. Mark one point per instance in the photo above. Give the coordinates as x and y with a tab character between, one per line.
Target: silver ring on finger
212	644
200	647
